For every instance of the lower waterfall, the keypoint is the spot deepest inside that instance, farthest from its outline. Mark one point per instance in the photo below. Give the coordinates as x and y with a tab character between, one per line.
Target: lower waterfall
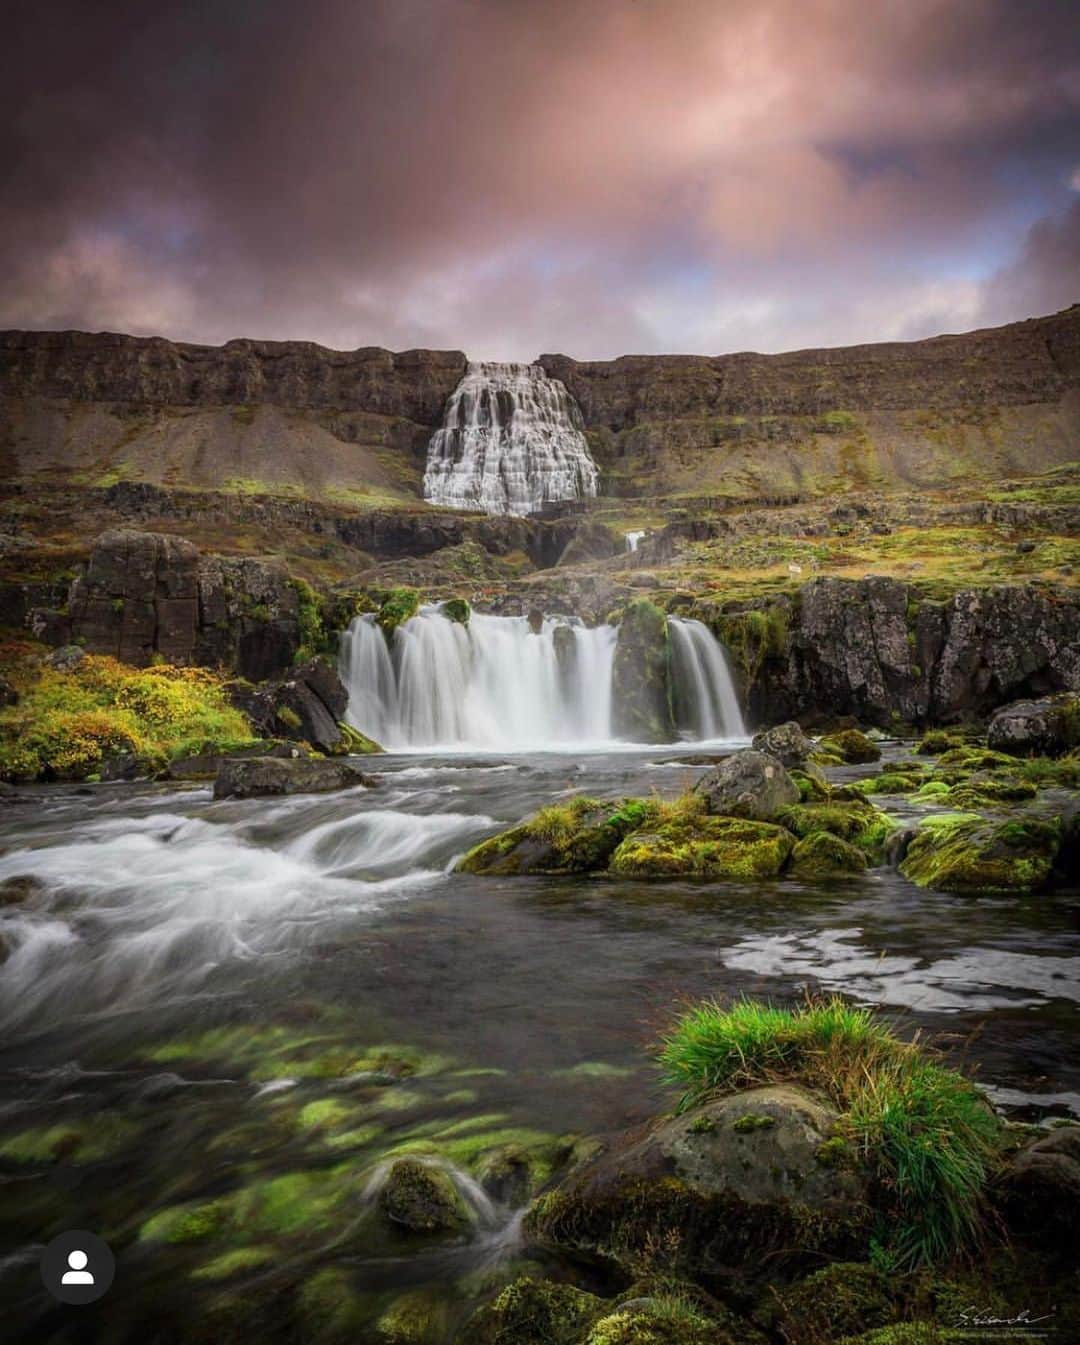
498	684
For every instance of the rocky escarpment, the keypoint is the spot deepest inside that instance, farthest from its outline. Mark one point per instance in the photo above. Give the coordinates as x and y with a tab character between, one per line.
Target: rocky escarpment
150	596
801	423
877	649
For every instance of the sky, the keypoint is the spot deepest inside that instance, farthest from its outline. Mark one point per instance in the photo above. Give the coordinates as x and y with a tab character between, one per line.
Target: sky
517	177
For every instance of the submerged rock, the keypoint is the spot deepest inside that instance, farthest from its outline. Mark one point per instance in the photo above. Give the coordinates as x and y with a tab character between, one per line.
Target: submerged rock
258	777
421	1198
724	1187
748	784
1047	727
1040	1191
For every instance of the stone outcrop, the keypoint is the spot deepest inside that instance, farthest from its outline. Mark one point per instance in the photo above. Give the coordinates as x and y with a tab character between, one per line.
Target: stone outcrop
877	649
641	696
145	595
786	742
307	706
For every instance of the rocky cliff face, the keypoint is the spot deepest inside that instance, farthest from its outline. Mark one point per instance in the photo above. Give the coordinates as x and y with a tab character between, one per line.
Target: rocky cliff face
876	650
293	417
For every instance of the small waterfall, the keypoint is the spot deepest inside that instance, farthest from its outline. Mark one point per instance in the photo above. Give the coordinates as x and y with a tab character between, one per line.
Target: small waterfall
511	440
632	539
497	684
705	702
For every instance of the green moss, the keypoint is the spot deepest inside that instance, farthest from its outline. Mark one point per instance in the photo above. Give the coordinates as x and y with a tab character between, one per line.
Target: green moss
187	1223
752	1121
325	1113
960	852
851	746
355	743
710	847
457	609
288	717
329	1307
836	1301
81	1142
416	1318
811	783
314	637
577	836
836	1152
236	1262
421	1198
662	1319
399	605
822	855
854	820
938	741
535	1312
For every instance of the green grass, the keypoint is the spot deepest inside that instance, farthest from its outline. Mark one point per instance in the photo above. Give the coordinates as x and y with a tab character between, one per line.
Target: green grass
927	1134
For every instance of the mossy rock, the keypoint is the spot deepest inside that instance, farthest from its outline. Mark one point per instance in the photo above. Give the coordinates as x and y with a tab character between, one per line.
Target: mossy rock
840	1299
642	706
421	1198
666	1319
852	746
457	610
416	1318
937	741
355	743
854	820
961	852
822	855
811	782
534	1312
578	836
329	1306
398	606
990	789
713	847
901	1333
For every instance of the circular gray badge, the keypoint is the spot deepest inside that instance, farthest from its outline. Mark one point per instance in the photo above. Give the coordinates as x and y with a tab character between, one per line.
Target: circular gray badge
77	1267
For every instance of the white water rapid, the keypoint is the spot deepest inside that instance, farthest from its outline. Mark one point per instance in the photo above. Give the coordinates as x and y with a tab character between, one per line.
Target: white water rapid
632	539
495	684
511	440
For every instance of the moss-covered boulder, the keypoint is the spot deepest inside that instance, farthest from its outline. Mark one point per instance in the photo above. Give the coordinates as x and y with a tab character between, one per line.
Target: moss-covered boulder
838	1300
962	852
534	1312
787	742
578	836
706	1188
415	1318
456	610
642	706
822	855
853	820
852	746
666	1319
748	784
708	847
421	1198
399	605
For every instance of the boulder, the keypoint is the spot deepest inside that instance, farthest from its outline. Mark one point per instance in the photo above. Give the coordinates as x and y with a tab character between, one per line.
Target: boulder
1040	1191
724	1189
534	1312
66	658
642	709
748	784
1048	727
852	746
259	777
307	706
421	1198
822	855
963	852
712	847
787	742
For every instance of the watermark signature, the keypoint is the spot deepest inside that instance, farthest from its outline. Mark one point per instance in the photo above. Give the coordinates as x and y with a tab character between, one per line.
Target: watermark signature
977	1322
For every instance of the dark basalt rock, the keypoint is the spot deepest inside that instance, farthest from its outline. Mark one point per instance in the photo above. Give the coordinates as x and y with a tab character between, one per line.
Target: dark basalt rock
260	777
307	706
787	742
1040	1191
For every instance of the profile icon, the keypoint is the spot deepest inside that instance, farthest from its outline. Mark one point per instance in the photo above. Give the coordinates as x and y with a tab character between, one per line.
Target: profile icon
77	1267
77	1272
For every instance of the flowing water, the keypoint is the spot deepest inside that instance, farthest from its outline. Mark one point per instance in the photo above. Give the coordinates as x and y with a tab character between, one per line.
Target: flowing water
247	1005
512	440
499	684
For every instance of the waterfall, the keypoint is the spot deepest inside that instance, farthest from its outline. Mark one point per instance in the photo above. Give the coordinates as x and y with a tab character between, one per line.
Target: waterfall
705	701
497	684
511	440
632	539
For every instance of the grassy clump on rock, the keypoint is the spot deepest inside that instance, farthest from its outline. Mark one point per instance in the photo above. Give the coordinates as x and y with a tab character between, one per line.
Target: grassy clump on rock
963	852
65	725
399	605
928	1134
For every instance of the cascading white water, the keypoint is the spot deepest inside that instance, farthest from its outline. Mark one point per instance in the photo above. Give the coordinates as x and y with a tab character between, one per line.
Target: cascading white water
496	683
705	702
632	539
511	440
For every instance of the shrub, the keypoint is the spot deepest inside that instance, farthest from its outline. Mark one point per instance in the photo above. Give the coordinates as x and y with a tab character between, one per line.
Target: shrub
928	1135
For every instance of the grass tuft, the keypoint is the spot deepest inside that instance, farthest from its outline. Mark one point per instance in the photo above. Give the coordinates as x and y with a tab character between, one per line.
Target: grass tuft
928	1135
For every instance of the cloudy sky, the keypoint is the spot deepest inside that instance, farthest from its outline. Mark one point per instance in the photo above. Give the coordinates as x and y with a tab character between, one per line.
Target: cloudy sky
511	177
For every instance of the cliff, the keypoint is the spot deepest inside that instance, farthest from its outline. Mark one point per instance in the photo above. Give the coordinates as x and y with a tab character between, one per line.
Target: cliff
293	418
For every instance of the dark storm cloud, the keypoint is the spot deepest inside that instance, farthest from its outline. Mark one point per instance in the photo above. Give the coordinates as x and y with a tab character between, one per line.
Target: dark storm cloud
509	176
